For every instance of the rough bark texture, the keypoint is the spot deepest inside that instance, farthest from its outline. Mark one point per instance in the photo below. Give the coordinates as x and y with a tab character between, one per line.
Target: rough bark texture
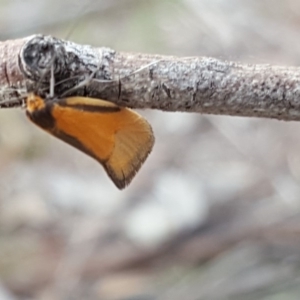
192	84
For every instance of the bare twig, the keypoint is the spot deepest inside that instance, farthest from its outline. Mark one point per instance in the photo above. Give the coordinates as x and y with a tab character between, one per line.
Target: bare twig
192	84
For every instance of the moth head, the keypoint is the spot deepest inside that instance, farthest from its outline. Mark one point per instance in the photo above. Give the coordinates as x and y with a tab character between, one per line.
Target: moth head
34	103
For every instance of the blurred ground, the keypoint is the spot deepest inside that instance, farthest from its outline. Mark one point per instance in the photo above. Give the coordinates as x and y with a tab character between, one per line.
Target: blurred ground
215	211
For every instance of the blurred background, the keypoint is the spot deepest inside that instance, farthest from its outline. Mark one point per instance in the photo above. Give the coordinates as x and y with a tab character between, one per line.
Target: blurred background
215	211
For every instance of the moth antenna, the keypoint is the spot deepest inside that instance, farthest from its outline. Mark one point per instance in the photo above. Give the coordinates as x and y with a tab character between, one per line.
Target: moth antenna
85	82
132	73
52	82
90	78
84	10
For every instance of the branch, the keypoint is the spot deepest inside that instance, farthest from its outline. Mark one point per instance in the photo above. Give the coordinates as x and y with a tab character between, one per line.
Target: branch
191	84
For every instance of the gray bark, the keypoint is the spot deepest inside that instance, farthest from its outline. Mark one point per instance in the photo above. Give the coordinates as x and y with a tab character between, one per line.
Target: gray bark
191	84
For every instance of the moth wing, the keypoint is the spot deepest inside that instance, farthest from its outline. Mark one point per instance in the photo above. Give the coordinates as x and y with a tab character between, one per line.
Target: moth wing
119	138
133	142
